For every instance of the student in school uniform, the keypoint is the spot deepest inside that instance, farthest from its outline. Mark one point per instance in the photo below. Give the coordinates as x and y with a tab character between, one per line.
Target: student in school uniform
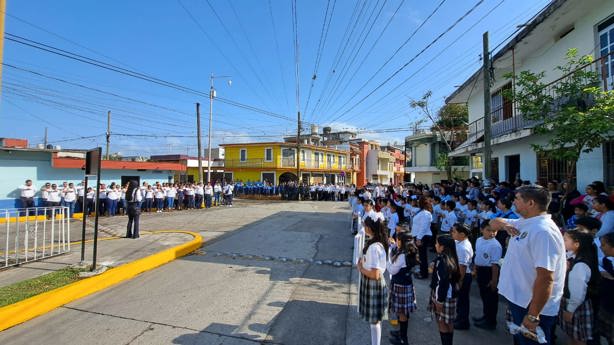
208	195
487	255
449	217
199	195
102	197
437	217
444	291
180	197
373	294
421	230
577	316
217	192
580	210
27	192
159	196
228	189
505	208
394	217
149	197
70	197
45	194
54	197
606	286
402	299
89	200
112	200
465	260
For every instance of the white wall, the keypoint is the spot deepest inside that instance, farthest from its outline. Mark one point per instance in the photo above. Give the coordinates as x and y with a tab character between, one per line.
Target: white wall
423	155
589	168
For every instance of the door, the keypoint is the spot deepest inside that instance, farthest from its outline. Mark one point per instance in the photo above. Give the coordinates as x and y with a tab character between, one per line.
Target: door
126	179
513	167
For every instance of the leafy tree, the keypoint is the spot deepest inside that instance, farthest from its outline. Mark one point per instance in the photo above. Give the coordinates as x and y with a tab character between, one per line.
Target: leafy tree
451	124
574	113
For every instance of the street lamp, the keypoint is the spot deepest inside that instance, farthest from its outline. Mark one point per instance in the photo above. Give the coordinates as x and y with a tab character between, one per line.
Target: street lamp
211	97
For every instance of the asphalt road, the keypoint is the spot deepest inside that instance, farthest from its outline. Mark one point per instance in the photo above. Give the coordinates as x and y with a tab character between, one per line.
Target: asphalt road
266	274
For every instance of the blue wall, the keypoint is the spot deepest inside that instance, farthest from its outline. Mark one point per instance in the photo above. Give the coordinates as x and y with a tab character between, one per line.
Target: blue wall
18	166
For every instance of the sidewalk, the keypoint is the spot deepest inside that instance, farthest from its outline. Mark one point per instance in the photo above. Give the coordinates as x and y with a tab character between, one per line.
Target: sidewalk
112	251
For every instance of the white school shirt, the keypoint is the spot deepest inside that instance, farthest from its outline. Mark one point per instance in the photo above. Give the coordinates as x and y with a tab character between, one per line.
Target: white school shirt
407	210
45	193
199	190
470	217
421	224
464	251
436	213
579	276
395	267
448	221
113	194
90	195
208	190
27	191
69	194
159	193
80	190
189	191
375	257
228	189
217	188
54	196
539	244
149	194
103	194
171	192
392	223
487	252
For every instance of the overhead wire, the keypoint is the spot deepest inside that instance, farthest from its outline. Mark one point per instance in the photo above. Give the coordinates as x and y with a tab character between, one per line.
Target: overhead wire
279	59
399	70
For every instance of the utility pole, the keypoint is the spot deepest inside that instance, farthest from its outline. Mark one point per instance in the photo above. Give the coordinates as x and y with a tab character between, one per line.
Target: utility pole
2	16
298	148
108	133
200	149
487	116
211	96
45	138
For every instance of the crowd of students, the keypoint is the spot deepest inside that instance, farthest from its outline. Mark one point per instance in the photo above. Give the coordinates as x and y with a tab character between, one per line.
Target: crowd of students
158	197
295	191
548	250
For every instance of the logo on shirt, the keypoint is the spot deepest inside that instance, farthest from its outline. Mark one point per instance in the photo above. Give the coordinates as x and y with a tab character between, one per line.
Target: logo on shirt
523	235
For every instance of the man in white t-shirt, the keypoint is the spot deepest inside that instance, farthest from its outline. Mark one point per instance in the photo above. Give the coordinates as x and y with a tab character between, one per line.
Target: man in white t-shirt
533	273
27	194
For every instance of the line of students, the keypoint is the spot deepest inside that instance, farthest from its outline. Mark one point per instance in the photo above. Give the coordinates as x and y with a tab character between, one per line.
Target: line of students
585	314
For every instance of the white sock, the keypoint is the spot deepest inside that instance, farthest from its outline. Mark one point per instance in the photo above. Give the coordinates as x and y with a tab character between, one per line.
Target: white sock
376	333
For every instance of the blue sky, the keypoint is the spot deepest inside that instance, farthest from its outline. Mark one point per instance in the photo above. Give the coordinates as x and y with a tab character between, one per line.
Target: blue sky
184	41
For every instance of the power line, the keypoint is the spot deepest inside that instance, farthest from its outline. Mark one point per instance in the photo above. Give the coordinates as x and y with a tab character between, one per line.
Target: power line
395	52
412	59
279	59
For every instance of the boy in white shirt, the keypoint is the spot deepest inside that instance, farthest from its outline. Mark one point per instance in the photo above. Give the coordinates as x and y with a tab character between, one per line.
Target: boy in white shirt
487	255
449	216
471	215
464	252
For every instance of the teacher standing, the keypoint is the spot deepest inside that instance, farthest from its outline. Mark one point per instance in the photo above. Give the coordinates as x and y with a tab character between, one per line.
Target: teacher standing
134	200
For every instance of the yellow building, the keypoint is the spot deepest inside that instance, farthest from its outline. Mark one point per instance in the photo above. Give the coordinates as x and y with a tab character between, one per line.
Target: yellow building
276	162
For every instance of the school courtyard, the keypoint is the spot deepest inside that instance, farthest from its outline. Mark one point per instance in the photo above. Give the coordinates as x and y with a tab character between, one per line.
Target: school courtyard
268	273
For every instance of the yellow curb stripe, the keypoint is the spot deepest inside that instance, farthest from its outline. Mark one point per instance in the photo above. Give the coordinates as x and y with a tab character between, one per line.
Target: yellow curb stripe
22	311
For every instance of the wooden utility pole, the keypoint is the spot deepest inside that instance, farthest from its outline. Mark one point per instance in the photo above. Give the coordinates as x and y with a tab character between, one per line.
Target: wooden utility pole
45	139
487	112
200	150
108	134
298	149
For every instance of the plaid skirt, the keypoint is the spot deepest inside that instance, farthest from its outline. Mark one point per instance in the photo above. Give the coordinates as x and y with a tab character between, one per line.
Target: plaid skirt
402	299
372	299
606	324
581	326
448	313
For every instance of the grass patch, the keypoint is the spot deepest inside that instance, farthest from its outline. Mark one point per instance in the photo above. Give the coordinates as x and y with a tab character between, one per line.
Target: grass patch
25	289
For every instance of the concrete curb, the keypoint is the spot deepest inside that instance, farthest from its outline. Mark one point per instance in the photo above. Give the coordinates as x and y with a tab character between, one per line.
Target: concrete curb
14	314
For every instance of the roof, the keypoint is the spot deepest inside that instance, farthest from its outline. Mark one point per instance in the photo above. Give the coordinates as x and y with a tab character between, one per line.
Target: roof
76	163
539	18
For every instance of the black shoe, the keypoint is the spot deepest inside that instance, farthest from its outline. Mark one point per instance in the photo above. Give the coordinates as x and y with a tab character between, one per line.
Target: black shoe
461	326
396	341
478	319
486	325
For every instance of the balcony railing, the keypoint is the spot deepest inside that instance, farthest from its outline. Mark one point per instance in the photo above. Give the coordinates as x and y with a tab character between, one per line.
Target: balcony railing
282	163
501	126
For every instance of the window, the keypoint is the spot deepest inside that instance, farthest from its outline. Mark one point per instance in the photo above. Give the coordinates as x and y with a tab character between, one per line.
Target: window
553	169
501	106
303	156
268	154
329	161
243	155
288	157
606	46
341	161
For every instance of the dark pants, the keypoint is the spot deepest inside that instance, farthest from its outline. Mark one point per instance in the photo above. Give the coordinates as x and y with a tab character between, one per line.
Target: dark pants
422	253
490	298
198	201
27	202
134	213
207	200
228	199
462	306
545	322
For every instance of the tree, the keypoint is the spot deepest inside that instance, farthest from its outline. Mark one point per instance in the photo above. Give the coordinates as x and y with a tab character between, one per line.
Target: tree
574	114
451	124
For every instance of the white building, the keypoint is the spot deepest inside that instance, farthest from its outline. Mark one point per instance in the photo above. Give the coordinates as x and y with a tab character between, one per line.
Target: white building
587	25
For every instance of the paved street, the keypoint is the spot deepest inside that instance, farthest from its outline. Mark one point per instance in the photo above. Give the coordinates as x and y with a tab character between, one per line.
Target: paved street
251	283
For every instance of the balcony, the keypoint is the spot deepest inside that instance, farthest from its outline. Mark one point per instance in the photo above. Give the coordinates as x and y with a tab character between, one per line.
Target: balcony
249	163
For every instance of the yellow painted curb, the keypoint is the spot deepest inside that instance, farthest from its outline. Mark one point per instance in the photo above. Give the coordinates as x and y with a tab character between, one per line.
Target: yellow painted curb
22	311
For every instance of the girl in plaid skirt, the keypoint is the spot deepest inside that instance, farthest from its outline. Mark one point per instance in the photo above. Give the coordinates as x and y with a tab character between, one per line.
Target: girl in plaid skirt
576	316
444	287
606	297
372	293
402	299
